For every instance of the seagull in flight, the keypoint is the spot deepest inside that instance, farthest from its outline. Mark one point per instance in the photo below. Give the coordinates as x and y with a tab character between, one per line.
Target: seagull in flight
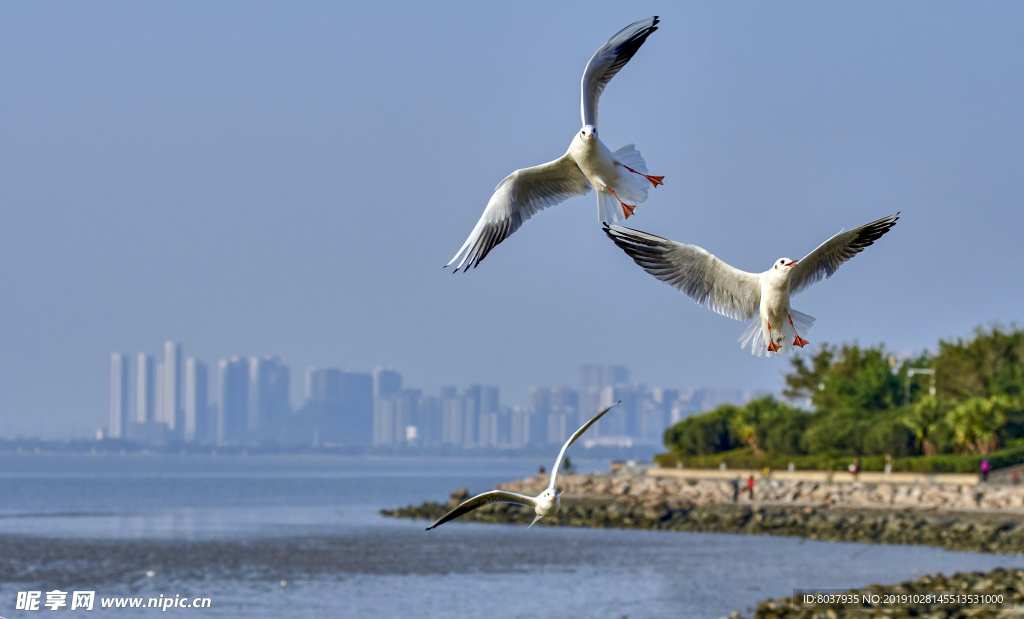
620	178
545	503
741	295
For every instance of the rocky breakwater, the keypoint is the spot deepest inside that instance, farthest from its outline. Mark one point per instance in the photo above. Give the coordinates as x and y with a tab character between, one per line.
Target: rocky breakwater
885	513
681	492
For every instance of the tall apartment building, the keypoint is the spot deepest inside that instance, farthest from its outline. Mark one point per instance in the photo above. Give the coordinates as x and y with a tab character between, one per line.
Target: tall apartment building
323	385
357	408
172	411
197	425
594	380
390	412
269	396
118	396
232	400
145	389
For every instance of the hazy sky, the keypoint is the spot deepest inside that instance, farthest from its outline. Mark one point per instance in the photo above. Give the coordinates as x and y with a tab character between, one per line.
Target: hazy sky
288	178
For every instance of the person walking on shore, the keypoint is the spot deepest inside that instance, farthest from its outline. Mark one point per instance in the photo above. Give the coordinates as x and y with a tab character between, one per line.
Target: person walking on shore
984	470
750	486
735	489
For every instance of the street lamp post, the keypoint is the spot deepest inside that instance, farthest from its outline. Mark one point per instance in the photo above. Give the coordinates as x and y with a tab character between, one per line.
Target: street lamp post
912	372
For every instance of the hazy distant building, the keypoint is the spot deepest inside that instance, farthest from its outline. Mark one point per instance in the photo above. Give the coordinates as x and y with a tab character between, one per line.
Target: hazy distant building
390	416
338	410
118	396
269	396
429	420
145	389
593	380
452	425
158	390
232	400
386	382
197	425
556	409
357	408
323	385
172	410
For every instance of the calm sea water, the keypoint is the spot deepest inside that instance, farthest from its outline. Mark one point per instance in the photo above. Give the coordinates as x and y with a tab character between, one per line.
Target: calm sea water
301	537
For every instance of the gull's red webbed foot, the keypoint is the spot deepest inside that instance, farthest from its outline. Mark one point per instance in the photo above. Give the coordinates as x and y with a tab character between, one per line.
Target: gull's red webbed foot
627	209
773	347
799	341
655	180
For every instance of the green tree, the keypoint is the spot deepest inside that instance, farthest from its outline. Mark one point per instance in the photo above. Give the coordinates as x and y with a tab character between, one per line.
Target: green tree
975	423
925	418
766	424
704	434
991	364
848	378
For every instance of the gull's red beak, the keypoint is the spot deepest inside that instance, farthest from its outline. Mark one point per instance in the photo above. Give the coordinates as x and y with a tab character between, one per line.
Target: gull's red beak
792	263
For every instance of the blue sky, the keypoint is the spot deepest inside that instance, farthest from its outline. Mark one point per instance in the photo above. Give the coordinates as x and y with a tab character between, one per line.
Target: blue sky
253	178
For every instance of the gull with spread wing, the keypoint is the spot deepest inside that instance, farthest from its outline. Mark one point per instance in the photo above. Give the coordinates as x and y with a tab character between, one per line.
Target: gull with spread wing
620	178
741	295
545	503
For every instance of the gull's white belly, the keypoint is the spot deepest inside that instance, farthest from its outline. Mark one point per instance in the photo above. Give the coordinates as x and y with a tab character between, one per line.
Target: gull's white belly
774	310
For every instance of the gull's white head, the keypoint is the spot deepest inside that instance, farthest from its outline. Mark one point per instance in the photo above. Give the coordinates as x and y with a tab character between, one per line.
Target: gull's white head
783	265
588	132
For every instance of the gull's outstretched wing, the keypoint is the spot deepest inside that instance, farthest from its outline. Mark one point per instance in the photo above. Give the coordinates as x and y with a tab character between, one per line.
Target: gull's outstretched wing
830	255
494	496
693	271
607	61
516	199
572	439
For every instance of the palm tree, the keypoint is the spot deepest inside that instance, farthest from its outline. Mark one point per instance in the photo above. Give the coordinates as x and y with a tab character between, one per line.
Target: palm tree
924	418
976	423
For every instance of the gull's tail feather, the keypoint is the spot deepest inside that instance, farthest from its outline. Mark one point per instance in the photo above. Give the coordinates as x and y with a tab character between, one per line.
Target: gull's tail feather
628	155
754	335
534	521
608	208
632	188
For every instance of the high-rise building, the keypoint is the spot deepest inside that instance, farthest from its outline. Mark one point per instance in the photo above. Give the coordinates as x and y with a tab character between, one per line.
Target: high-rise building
429	414
384	422
594	380
196	401
145	389
386	382
389	416
172	411
158	410
452	424
323	385
357	408
269	399
118	396
487	417
232	400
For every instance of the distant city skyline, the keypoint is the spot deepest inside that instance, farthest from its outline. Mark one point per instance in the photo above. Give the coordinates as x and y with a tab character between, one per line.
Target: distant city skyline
269	180
252	406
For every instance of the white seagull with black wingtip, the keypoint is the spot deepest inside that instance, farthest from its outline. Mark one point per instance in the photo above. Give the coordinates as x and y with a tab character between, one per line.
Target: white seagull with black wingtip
545	503
620	178
741	295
